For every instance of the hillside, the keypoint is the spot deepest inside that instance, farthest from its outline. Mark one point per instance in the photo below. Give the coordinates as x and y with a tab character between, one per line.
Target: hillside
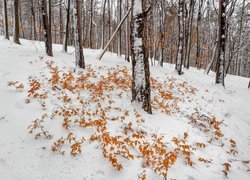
59	122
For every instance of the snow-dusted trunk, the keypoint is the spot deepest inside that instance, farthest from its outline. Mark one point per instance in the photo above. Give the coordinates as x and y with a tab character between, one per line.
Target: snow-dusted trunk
239	53
47	32
16	23
91	24
199	15
155	33
189	33
6	27
140	64
210	39
162	30
66	33
119	17
79	57
126	36
220	71
179	58
103	23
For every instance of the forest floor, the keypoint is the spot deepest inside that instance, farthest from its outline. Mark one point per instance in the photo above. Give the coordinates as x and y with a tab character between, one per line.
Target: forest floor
58	122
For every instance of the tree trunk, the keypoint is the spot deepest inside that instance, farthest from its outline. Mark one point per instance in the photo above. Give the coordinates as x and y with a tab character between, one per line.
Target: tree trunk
239	53
78	35
189	33
119	37
179	58
162	29
16	23
47	30
6	26
103	23
127	36
140	65
220	71
66	35
61	23
91	24
198	33
33	15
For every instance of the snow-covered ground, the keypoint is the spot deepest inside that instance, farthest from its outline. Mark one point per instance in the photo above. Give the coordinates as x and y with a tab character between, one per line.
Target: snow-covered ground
194	101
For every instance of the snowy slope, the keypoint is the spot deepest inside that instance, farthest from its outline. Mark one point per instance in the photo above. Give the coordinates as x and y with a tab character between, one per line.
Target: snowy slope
23	157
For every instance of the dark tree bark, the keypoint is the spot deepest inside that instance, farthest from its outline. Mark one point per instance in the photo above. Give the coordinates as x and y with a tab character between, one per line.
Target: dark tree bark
91	24
33	15
6	26
220	71
47	30
189	33
78	35
61	23
140	64
198	33
66	35
16	23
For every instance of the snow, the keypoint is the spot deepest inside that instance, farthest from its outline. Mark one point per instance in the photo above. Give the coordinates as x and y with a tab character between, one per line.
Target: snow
23	157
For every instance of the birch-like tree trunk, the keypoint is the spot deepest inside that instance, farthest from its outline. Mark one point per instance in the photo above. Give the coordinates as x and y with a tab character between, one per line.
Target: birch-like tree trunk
140	65
79	57
6	26
16	23
220	71
179	58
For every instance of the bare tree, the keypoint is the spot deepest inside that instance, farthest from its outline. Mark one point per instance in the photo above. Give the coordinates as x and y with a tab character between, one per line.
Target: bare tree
221	43
199	16
179	58
127	43
16	23
103	23
33	15
66	33
119	37
47	30
189	32
78	35
6	26
91	24
140	65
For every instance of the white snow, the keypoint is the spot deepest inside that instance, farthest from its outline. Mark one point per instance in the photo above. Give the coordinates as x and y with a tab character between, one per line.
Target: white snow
23	157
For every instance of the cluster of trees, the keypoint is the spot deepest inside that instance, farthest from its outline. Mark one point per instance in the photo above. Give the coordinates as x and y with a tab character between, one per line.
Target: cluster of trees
208	34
